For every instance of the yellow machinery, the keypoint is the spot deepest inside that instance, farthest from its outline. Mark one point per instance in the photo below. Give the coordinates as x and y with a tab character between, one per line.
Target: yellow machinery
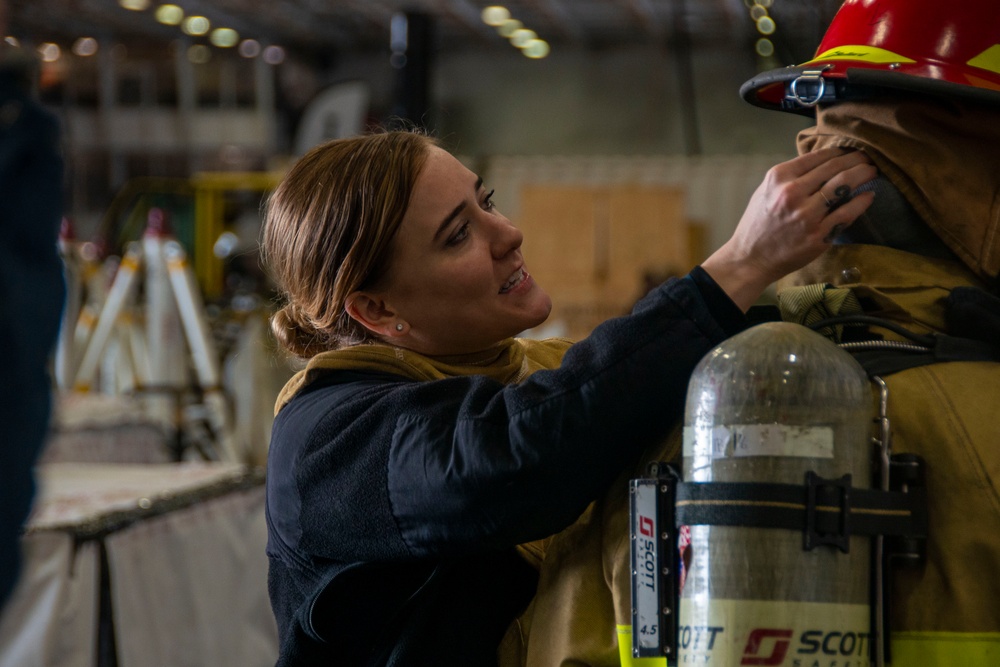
198	208
210	190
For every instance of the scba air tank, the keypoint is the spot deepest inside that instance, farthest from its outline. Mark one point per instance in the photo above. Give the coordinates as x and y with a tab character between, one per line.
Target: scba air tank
770	405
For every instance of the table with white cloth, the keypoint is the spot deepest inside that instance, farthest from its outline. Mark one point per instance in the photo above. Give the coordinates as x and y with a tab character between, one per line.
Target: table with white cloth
142	565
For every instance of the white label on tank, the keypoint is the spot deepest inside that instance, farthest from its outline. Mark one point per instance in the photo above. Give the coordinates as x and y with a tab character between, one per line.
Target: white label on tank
722	442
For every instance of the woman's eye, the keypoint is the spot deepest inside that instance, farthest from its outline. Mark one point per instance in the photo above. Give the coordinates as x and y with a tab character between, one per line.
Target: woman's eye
459	235
488	203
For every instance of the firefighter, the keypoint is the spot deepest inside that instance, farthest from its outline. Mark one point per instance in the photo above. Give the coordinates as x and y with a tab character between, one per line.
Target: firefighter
915	84
925	106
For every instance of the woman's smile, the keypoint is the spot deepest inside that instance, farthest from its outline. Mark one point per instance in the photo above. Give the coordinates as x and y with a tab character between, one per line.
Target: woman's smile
516	279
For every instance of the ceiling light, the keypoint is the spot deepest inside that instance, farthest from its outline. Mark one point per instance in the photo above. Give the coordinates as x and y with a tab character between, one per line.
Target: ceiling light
522	36
495	15
249	48
765	47
196	25
765	26
169	14
12	41
508	27
50	52
224	37
536	48
135	5
85	46
274	55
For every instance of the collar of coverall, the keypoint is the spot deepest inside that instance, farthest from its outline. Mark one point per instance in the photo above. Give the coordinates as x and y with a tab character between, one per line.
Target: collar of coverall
941	155
889	283
509	362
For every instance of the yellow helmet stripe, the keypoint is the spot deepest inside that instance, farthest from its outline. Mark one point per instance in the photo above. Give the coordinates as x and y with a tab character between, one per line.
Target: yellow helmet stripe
869	54
988	59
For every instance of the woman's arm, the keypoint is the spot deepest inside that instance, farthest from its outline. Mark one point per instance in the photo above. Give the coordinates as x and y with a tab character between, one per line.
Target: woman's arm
467	463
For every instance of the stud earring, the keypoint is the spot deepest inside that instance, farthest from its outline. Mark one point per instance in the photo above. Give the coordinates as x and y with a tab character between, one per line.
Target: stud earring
399	326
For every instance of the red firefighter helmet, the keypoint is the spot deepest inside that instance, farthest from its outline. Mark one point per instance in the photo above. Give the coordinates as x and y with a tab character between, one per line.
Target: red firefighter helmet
922	46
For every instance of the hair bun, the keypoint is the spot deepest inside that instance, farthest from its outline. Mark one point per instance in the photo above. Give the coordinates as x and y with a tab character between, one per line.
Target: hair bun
294	331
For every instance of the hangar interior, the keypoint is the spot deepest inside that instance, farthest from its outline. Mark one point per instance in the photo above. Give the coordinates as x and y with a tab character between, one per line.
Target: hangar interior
612	131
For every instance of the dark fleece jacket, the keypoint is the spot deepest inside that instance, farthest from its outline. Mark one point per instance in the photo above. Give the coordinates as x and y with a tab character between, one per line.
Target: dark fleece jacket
393	506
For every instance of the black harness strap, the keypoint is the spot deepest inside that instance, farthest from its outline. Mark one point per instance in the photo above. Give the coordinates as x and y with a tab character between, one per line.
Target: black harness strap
827	511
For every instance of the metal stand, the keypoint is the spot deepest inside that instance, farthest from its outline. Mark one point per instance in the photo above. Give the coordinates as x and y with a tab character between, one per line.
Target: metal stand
175	328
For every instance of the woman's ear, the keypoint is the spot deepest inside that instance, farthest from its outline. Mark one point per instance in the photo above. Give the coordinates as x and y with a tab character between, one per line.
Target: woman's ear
372	313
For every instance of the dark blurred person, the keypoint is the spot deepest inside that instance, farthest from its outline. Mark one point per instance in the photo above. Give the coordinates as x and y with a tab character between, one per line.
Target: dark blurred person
32	289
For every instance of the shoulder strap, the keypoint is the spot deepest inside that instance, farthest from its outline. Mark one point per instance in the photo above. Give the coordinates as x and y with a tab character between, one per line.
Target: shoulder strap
882	357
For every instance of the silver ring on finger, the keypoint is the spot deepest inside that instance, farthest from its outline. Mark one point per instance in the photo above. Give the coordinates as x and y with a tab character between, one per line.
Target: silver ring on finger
841	196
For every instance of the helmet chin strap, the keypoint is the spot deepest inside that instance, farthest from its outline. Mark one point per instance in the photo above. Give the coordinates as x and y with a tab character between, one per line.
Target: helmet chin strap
892	222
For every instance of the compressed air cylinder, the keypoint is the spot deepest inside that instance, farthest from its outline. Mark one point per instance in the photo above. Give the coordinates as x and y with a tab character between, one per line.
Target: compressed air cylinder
768	405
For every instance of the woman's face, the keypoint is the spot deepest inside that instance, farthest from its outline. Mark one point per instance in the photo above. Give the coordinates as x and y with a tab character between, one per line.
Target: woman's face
457	279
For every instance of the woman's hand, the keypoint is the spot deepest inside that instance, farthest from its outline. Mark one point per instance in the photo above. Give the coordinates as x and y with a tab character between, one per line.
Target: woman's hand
790	220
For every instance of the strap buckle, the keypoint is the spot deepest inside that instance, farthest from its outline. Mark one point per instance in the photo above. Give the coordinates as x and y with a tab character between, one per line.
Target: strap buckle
812	538
815	85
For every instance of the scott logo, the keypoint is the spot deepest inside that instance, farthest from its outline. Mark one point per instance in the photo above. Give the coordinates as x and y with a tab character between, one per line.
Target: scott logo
752	652
646	526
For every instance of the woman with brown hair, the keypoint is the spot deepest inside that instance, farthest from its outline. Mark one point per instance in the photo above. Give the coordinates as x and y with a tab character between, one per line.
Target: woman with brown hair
424	447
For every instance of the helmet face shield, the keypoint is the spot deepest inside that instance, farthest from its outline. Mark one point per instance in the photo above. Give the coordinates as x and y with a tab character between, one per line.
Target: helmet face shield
870	48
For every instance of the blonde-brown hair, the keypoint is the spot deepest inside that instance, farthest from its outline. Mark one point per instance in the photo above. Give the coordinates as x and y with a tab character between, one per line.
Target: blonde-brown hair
328	230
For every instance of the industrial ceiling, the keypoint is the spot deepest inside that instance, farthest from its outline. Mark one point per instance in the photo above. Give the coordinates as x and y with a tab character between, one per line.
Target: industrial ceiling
357	26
